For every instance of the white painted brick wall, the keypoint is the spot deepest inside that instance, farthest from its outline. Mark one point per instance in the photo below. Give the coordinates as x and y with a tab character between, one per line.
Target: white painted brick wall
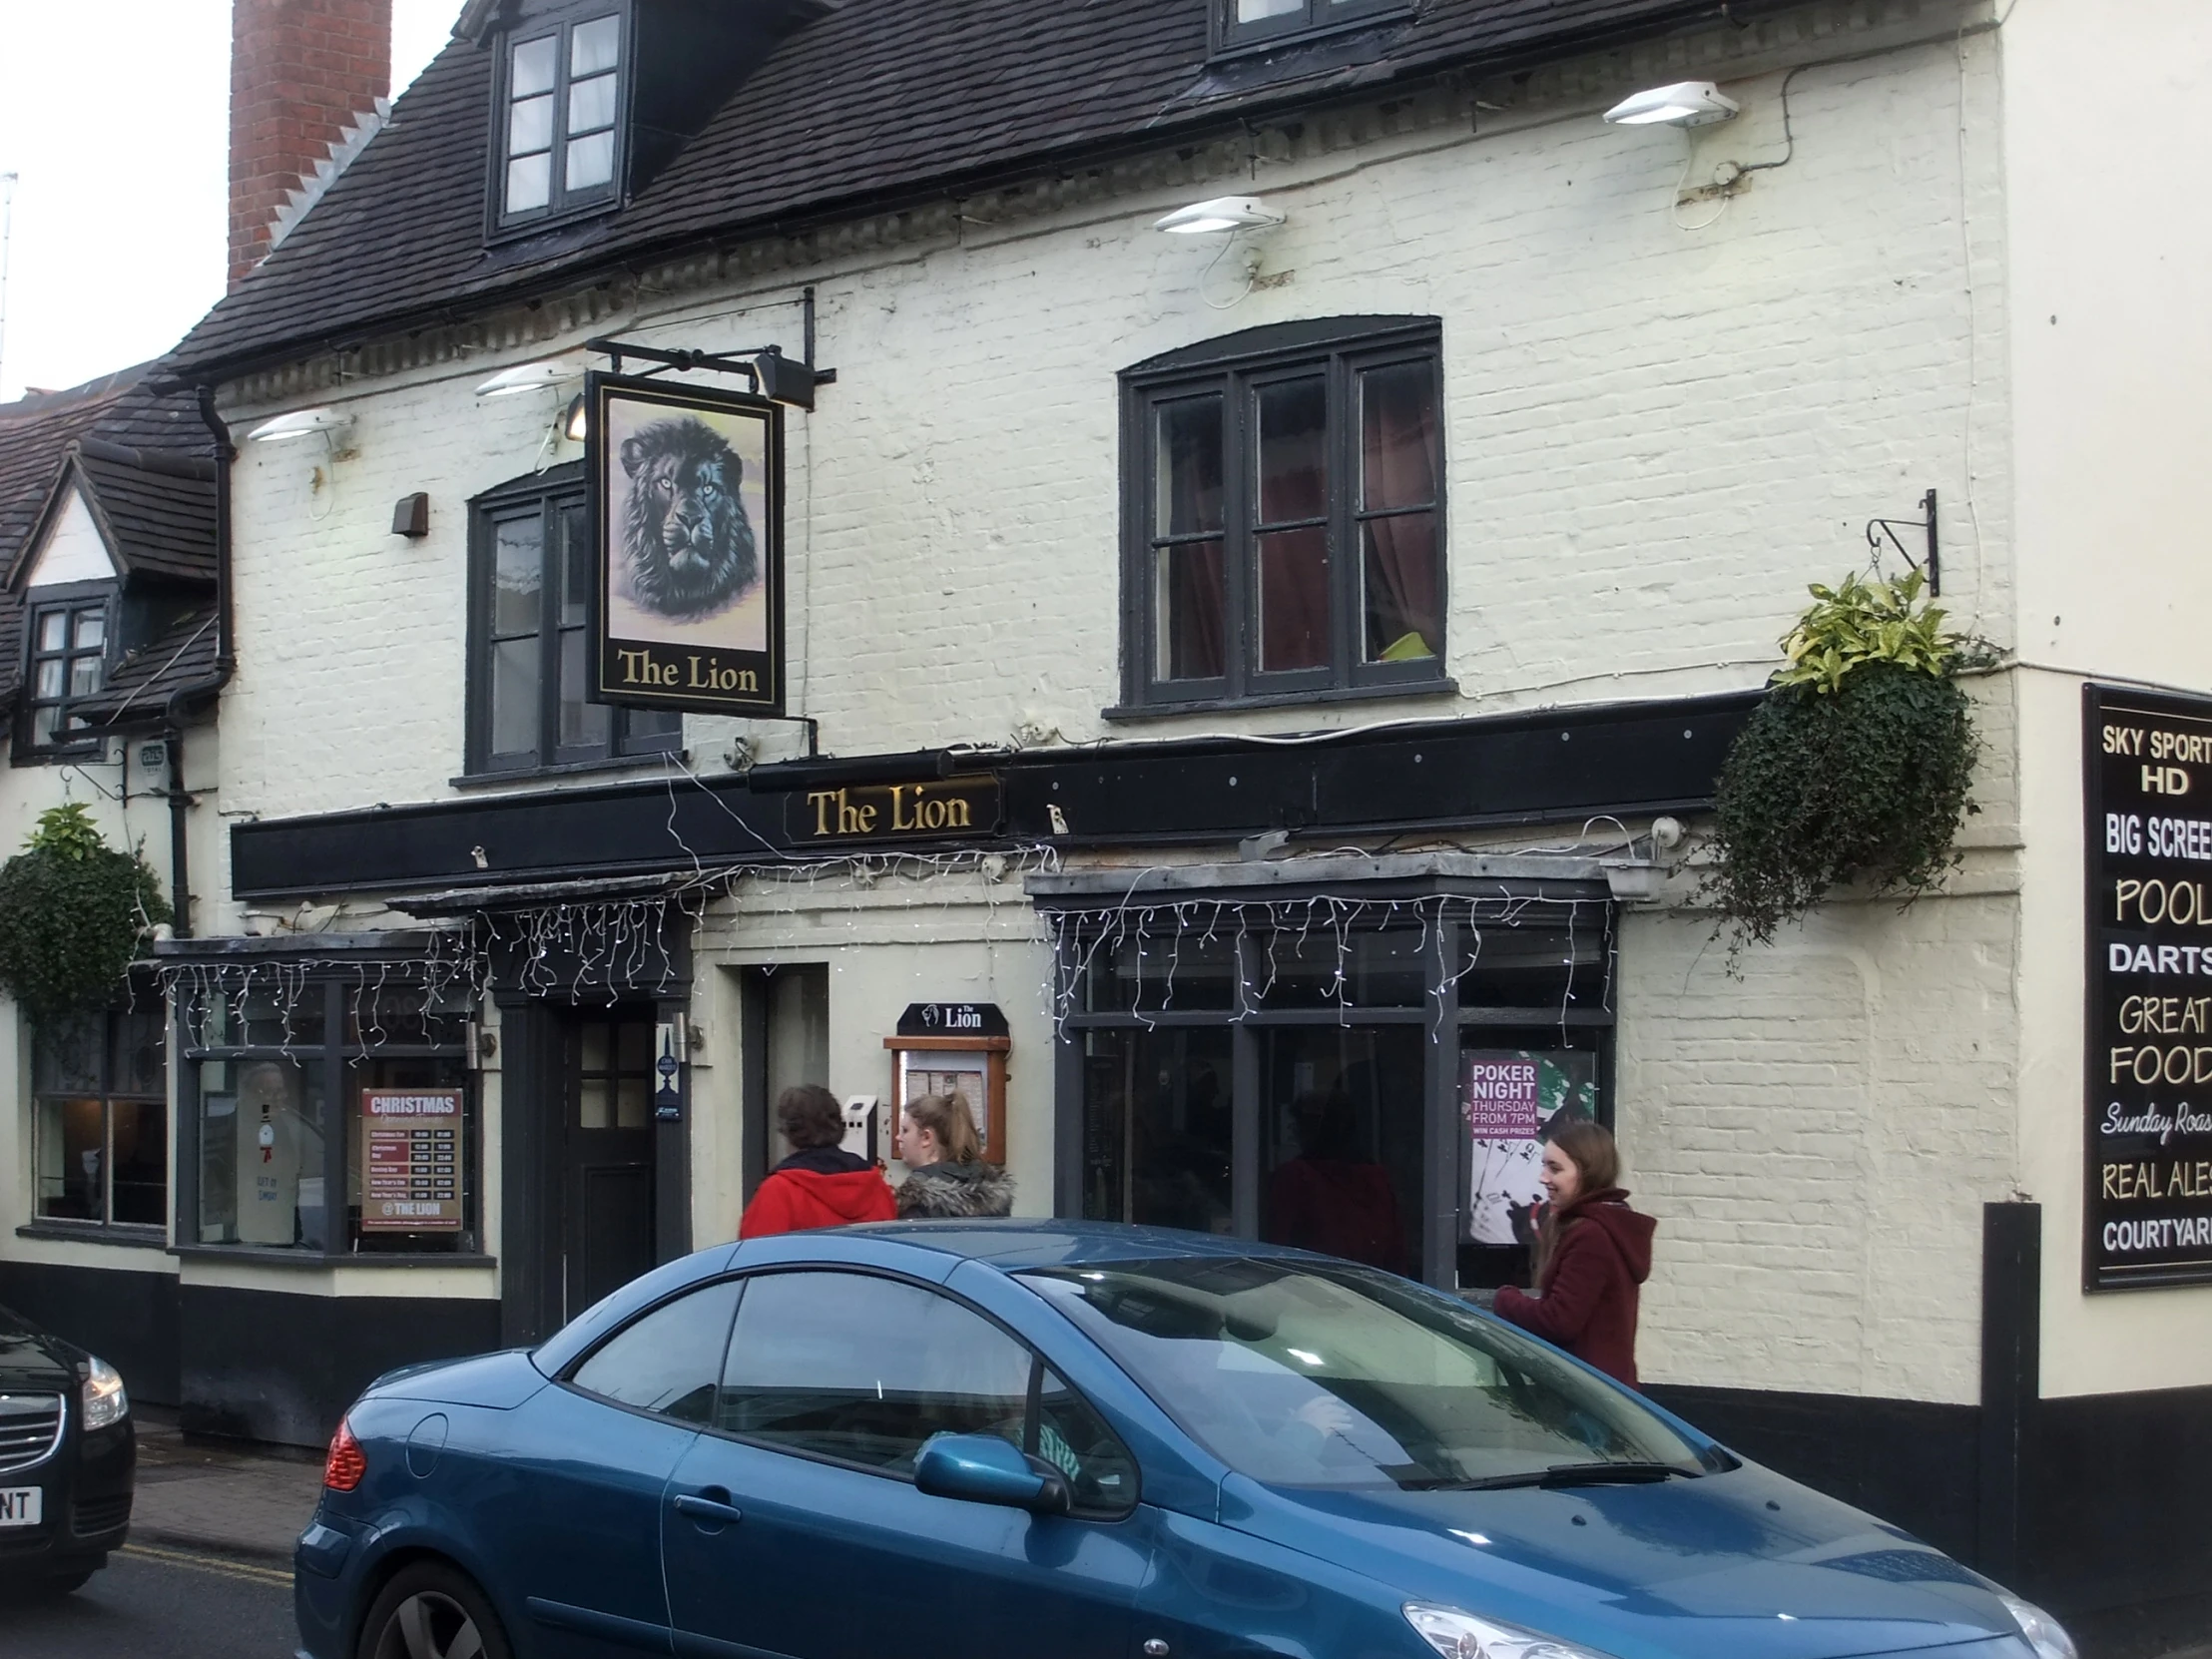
1655	437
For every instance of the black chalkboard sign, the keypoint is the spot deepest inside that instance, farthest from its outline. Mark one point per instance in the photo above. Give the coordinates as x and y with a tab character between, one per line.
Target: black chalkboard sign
2147	1204
952	1019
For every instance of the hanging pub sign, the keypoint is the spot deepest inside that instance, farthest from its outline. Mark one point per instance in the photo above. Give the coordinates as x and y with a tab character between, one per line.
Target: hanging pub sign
2147	1211
687	597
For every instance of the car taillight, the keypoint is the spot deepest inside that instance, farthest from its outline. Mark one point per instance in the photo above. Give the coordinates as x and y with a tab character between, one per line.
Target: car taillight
343	1469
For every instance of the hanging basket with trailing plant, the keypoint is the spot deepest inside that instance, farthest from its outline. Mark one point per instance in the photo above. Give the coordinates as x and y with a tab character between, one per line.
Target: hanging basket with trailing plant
74	914
1856	767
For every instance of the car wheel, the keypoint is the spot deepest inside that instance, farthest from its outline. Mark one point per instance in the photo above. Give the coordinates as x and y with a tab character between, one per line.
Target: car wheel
432	1611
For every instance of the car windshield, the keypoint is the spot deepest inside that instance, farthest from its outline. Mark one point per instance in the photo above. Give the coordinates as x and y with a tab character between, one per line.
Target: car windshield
1300	1373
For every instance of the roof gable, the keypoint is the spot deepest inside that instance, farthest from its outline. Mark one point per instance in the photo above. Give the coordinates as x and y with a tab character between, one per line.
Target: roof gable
71	547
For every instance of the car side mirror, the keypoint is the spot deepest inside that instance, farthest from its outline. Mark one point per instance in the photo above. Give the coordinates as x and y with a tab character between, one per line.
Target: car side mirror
983	1469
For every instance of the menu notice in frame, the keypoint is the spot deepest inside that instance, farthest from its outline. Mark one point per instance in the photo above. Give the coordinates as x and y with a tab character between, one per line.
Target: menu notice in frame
2147	1219
410	1160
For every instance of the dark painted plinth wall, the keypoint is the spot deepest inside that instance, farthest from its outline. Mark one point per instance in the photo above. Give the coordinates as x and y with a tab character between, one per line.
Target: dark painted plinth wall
262	1366
2091	1507
128	1318
251	1364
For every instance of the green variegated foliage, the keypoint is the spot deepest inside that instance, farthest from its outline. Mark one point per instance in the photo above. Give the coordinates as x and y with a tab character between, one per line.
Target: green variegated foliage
1858	622
1854	768
74	914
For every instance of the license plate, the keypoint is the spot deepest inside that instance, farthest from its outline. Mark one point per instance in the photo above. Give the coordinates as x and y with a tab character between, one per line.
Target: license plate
22	1505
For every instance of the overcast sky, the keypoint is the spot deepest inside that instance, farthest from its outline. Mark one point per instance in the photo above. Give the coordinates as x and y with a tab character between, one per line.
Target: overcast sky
117	119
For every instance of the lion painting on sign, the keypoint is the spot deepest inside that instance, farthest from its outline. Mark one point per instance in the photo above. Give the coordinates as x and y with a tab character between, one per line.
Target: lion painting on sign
687	542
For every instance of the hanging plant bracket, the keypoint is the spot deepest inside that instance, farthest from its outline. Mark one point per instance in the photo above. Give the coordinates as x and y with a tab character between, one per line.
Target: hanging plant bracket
1879	529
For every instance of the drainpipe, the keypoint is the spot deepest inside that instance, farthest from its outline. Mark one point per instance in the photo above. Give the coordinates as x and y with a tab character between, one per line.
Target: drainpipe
226	664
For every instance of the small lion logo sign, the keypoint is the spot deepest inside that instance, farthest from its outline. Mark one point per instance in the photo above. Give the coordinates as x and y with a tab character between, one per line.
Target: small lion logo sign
688	599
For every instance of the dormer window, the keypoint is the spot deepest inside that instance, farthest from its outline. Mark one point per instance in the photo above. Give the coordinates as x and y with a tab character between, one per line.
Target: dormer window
69	656
561	132
1243	23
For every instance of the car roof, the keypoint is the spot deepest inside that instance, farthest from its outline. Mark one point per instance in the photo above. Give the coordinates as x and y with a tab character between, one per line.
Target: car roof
1013	1245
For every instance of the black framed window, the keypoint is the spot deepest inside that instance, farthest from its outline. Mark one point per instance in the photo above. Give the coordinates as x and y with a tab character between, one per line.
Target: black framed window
66	637
1285	515
559	126
1241	23
100	1123
286	1140
1255	1074
530	558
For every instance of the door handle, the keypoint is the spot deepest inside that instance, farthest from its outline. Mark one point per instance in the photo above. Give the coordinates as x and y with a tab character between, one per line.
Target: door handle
717	1509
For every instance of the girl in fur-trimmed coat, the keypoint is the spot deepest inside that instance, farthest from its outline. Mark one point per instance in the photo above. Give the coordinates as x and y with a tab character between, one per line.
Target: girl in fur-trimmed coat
945	1172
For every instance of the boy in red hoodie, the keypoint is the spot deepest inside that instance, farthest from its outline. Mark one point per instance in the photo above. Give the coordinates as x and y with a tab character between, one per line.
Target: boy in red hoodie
819	1184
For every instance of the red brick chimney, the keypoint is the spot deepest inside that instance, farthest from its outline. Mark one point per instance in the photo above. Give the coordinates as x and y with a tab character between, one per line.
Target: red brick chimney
301	73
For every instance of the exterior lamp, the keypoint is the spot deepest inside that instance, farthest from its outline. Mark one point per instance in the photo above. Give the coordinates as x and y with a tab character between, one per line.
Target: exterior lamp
300	423
511	383
1223	213
1685	104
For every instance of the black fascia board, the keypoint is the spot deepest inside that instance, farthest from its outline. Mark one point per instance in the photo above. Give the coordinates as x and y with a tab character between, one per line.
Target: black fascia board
1557	764
1225	116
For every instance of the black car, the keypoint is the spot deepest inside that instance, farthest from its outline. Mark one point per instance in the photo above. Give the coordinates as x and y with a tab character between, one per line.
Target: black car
68	1454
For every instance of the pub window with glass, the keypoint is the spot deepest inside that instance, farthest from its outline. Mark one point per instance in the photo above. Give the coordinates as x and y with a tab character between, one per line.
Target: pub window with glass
559	119
531	561
100	1118
1374	1092
328	1117
1286	516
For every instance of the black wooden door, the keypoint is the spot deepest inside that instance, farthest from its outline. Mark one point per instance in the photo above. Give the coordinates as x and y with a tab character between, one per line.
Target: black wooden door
606	1234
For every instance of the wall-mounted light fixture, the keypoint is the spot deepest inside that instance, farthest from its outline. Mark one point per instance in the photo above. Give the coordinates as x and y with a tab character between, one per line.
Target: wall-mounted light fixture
300	423
576	421
539	376
1221	213
1684	104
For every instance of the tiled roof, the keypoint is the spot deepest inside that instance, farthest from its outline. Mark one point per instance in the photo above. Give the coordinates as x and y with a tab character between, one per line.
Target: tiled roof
139	687
879	103
145	456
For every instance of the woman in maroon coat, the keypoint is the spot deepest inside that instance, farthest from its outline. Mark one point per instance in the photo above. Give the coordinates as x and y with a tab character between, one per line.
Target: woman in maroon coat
1592	1251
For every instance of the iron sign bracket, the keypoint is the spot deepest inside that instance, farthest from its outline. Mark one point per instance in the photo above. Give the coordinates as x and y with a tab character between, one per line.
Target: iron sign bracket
1879	529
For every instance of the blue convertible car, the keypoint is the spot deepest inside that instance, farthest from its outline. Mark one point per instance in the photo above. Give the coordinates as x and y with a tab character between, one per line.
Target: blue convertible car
1053	1440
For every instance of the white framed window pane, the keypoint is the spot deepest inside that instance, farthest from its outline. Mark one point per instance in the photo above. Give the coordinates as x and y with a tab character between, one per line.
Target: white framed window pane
594	46
591	103
1259	11
535	62
591	161
50	678
92	630
84	676
53	630
529	182
530	125
514	697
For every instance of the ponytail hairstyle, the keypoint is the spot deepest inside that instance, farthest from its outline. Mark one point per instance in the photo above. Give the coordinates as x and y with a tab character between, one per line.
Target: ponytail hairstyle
947	1117
1591	1147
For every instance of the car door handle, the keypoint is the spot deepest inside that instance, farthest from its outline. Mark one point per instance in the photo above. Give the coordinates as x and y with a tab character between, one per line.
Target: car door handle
701	1508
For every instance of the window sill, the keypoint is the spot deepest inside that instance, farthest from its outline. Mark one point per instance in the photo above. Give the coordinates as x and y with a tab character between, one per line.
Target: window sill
125	1238
1252	46
1279	700
568	768
261	1256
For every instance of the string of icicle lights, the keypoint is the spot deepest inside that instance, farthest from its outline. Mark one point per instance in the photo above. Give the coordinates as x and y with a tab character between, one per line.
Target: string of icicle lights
1449	924
584	949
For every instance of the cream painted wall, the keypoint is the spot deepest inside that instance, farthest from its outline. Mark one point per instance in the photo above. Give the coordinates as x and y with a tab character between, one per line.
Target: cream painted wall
2104	134
950	938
